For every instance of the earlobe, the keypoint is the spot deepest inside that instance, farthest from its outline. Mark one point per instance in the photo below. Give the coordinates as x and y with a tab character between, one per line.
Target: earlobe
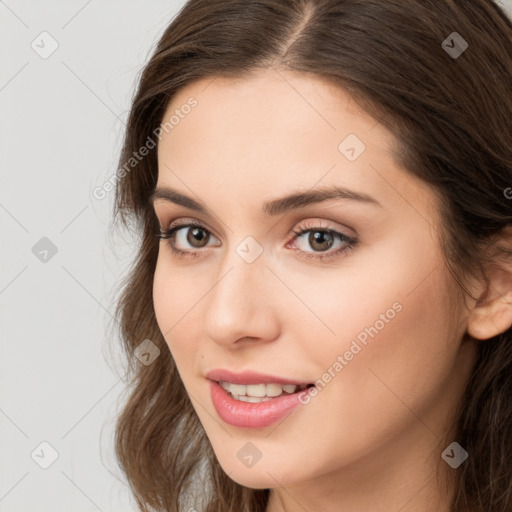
492	313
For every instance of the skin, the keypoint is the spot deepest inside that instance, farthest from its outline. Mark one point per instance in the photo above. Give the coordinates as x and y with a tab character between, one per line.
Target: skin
373	436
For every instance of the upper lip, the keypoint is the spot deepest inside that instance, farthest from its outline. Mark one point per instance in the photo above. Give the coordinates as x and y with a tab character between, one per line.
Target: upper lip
249	377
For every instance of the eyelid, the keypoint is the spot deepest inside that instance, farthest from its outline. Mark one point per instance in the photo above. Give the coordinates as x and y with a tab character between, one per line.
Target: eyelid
186	221
319	224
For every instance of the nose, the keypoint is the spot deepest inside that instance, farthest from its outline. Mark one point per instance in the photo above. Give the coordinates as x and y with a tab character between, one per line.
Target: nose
241	305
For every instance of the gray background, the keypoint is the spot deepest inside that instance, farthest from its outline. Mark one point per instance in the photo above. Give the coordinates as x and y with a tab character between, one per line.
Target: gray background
62	121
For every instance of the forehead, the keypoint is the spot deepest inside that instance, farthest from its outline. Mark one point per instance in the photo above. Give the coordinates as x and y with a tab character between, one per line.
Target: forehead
263	135
275	103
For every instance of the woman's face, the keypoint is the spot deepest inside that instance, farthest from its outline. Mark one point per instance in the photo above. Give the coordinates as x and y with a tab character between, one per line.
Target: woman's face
374	324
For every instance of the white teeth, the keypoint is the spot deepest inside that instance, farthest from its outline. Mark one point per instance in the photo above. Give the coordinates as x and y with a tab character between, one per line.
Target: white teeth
274	389
255	393
225	385
257	390
237	389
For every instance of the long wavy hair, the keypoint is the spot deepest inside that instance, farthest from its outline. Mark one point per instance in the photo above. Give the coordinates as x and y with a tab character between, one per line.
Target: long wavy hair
452	117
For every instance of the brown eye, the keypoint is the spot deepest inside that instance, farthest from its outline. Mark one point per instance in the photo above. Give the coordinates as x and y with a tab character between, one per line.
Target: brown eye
320	240
196	237
315	242
186	238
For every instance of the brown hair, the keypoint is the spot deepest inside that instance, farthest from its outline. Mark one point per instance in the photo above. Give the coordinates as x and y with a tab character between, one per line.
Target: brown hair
452	118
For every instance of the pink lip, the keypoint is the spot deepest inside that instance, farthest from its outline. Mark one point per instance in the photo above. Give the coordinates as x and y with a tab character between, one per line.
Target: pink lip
249	415
249	377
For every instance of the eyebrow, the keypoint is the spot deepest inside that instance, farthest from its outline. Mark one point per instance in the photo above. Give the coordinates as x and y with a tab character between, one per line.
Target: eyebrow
284	204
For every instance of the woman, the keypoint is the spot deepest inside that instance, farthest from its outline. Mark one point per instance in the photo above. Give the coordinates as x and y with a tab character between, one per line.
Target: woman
319	314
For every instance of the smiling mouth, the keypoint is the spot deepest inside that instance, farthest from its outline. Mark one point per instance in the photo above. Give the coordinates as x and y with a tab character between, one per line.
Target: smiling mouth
256	393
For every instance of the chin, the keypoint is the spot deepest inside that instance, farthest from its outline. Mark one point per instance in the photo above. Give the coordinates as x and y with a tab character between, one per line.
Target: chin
261	476
259	480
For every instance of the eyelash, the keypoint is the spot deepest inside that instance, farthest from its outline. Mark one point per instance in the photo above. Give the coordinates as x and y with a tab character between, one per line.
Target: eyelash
322	256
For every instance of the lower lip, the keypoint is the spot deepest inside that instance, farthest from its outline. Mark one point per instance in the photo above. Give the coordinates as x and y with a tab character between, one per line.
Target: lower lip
250	415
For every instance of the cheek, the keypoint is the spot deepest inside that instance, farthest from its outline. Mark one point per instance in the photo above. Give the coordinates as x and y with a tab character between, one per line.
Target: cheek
394	303
400	371
391	325
174	300
396	347
165	291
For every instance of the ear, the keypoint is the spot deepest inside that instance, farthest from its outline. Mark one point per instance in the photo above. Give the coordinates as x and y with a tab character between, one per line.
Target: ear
492	313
